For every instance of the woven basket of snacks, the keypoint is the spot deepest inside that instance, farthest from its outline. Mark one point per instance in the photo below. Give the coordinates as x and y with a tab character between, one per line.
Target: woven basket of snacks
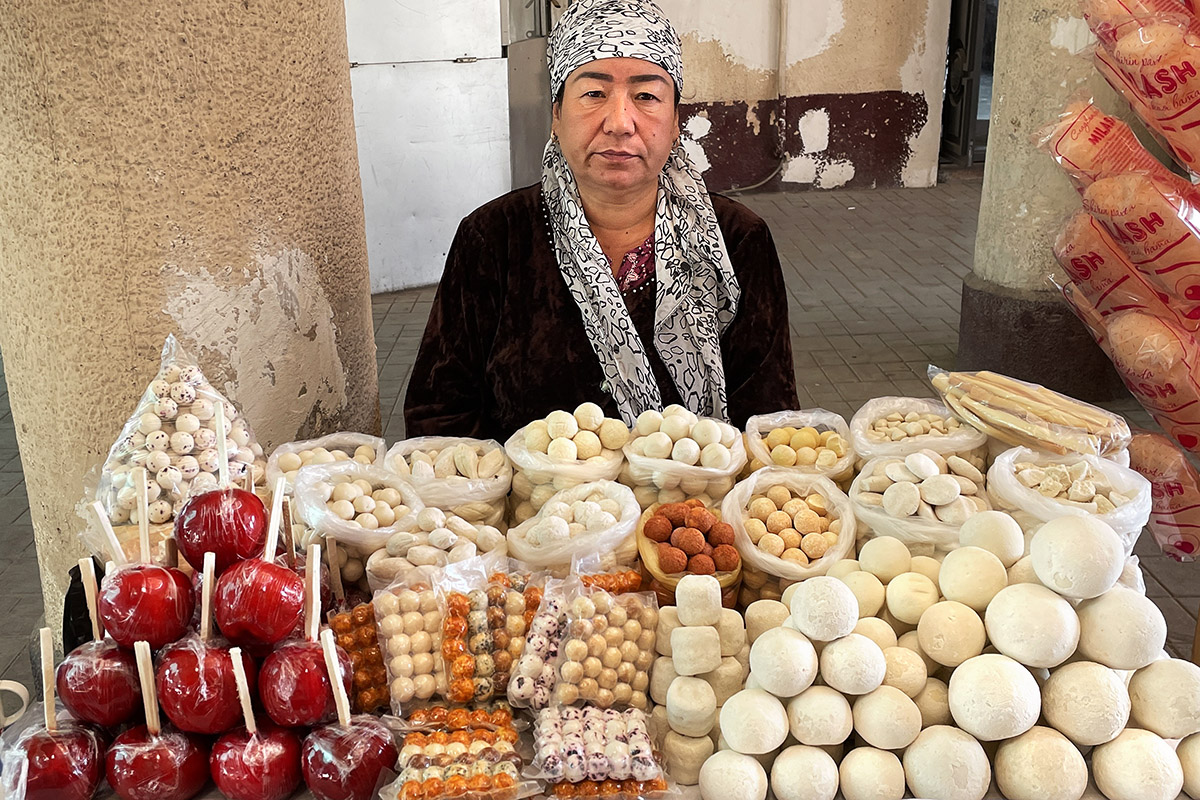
703	547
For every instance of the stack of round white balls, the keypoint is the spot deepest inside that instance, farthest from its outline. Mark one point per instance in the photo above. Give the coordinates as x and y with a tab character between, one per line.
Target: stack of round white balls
290	463
360	502
576	436
560	522
676	434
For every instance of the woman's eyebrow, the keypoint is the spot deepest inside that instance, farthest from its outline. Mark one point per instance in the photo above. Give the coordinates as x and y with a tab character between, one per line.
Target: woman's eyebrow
607	78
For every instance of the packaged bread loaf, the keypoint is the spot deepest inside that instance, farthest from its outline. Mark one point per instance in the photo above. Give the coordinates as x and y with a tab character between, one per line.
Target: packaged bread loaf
816	442
470	478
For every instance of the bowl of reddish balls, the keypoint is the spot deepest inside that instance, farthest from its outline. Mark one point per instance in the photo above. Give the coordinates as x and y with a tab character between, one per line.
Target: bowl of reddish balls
687	538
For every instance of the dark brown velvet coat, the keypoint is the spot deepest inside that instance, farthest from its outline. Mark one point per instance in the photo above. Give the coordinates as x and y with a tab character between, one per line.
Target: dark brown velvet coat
505	342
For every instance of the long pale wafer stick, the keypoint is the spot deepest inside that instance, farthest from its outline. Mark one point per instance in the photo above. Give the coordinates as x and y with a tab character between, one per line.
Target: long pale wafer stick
87	576
222	448
312	581
953	402
206	591
1053	399
243	689
47	645
335	573
116	552
275	520
145	664
1047	438
143	495
339	691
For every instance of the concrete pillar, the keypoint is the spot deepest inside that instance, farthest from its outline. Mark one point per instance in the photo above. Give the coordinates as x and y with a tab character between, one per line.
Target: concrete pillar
1012	319
175	166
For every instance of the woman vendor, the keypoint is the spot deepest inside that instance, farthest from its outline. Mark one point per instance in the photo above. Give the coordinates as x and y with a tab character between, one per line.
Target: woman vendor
618	279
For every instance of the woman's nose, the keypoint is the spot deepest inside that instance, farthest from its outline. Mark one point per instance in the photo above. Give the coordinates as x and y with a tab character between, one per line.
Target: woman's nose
618	116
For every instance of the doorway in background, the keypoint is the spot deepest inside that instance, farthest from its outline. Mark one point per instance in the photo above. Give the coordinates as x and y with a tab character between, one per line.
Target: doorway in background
967	102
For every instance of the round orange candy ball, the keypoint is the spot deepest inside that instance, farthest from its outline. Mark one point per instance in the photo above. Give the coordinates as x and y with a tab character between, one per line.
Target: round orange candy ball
671	559
701	565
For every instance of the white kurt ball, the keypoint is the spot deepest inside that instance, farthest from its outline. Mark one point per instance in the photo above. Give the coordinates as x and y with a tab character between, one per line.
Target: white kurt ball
1040	764
972	576
1121	629
950	633
728	774
1087	702
1078	557
804	773
853	664
783	661
1189	758
1033	625
561	425
589	416
1165	698
820	716
887	718
754	722
948	764
996	532
1137	765
885	557
870	774
993	697
824	608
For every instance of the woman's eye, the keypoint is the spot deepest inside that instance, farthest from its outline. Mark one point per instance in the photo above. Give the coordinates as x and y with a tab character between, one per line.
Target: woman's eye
646	96
594	93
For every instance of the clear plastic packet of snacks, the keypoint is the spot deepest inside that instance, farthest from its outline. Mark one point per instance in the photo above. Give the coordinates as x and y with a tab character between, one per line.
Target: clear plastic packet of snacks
288	459
894	427
470	478
578	746
534	675
172	434
409	620
1175	494
606	649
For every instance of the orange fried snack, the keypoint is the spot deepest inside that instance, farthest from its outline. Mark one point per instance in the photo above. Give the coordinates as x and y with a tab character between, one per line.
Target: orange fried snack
1087	144
1095	263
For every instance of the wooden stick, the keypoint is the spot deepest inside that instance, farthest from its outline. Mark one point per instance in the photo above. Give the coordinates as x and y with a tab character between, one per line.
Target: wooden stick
141	651
274	521
47	643
116	552
170	551
248	479
87	575
243	689
289	542
206	590
143	490
222	450
339	690
335	572
109	568
312	580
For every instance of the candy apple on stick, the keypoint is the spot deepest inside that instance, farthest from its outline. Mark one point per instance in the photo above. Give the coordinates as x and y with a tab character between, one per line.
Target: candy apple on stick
195	676
258	601
63	761
256	762
344	760
228	521
151	762
145	601
294	684
98	681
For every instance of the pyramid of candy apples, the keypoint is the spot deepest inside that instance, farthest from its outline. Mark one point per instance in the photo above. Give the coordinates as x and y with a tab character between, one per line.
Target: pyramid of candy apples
172	434
248	692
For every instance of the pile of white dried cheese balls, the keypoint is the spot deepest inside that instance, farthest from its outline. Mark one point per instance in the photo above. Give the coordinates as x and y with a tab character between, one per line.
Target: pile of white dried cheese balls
362	503
678	435
560	521
290	463
462	460
925	485
576	436
897	426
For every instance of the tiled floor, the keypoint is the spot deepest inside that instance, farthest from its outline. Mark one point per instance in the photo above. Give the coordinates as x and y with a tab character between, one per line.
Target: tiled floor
873	285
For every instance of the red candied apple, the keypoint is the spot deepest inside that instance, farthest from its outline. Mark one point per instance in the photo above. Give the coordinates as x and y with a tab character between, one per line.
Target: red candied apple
229	522
258	602
146	602
169	765
345	762
98	683
294	684
196	687
63	764
257	766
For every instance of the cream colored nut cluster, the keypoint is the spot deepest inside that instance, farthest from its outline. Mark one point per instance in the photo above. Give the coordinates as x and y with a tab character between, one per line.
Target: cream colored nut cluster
290	463
925	485
437	540
581	435
176	442
804	447
897	426
757	585
679	435
607	652
796	528
361	503
1077	485
462	460
410	633
561	522
704	661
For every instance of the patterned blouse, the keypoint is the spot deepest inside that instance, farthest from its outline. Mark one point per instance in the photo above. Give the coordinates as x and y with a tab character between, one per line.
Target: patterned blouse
637	266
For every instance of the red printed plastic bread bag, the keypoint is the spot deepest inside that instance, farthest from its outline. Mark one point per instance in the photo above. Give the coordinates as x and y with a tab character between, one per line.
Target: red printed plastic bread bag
1175	494
1101	270
1154	221
1087	144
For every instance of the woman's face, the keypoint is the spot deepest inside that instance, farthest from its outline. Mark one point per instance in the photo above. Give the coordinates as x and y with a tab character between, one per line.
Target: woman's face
616	124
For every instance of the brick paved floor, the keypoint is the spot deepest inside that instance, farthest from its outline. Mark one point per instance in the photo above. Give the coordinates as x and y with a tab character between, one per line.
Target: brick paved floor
873	287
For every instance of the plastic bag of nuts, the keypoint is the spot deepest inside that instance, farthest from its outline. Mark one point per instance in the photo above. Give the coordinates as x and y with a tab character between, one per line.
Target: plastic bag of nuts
1037	487
288	459
606	649
410	636
469	478
896	426
789	524
815	442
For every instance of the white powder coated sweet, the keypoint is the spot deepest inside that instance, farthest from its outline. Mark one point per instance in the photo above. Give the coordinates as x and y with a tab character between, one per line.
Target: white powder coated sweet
668	620
950	633
1165	698
783	661
868	773
762	615
868	590
695	650
824	608
732	630
996	532
877	631
1137	765
972	576
661	677
1040	764
820	716
730	774
1189	758
1087	702
933	702
993	697
905	670
1121	629
843	568
1078	557
887	718
691	706
948	764
754	722
909	595
804	773
884	557
698	600
853	665
1033	625
685	756
726	680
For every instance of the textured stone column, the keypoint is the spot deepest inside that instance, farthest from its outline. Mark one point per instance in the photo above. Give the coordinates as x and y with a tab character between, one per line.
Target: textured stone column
1012	320
184	167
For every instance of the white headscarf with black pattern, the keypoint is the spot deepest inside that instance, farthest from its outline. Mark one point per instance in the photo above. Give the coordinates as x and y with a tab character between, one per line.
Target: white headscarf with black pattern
697	292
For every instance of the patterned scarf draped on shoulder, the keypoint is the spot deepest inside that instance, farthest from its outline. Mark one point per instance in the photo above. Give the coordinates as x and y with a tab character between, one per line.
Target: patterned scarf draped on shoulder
697	292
